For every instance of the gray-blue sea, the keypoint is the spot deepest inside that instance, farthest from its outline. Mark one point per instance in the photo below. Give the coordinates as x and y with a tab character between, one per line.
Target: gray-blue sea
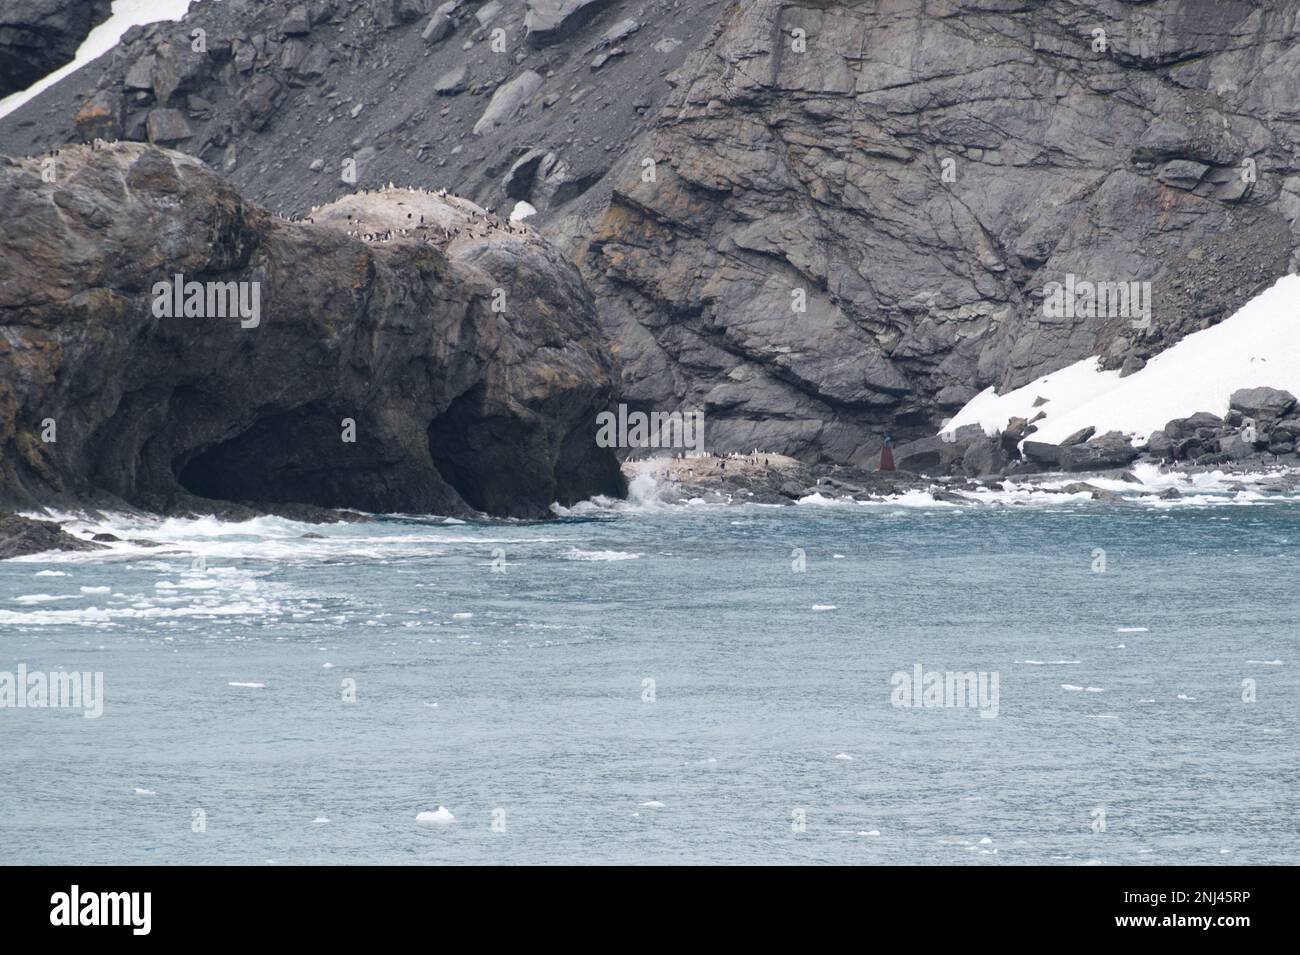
668	684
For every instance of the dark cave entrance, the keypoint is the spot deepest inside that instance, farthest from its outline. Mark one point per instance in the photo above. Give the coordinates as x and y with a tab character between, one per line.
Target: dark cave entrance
297	457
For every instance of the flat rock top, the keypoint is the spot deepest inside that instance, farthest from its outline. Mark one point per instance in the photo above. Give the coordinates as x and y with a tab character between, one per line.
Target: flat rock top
437	217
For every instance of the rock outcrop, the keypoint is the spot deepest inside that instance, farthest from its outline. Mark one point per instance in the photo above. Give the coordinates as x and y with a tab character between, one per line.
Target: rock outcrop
39	36
21	536
386	371
848	215
815	221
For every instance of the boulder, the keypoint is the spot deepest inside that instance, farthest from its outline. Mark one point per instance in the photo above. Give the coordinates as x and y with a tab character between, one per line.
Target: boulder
1201	423
297	22
1041	453
439	27
100	117
507	100
1110	450
1098	494
549	21
20	536
140	74
1263	403
1160	446
1235	447
984	457
167	126
1080	436
454	81
933	455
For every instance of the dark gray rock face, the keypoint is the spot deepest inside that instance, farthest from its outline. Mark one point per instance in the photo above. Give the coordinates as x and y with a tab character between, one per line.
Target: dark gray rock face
39	36
375	375
20	536
919	180
852	211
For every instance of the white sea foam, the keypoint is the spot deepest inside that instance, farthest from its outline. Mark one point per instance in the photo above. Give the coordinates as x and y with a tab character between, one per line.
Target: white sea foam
1047	663
577	553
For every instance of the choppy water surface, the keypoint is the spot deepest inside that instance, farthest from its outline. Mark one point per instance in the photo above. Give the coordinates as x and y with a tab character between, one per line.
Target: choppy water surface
524	690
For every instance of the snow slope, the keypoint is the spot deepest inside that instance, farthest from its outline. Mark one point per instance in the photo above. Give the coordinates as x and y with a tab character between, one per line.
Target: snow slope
1257	345
126	14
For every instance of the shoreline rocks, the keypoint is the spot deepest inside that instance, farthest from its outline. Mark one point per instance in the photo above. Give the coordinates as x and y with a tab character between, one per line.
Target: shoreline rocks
22	536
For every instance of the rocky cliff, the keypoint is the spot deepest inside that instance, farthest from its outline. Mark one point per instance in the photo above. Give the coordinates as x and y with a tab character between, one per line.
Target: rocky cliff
168	345
39	36
816	221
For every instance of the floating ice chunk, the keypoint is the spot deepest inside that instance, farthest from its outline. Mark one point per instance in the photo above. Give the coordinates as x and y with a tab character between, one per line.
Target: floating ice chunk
145	792
844	756
652	804
441	816
96	590
251	686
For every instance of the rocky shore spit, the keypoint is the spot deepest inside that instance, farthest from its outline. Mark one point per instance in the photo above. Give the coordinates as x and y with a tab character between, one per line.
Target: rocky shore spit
1260	430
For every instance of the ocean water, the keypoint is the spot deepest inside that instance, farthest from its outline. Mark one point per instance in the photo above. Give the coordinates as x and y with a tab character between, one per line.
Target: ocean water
500	671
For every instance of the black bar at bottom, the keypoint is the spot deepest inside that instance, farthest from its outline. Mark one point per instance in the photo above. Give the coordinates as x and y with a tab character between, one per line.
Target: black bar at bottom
333	905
